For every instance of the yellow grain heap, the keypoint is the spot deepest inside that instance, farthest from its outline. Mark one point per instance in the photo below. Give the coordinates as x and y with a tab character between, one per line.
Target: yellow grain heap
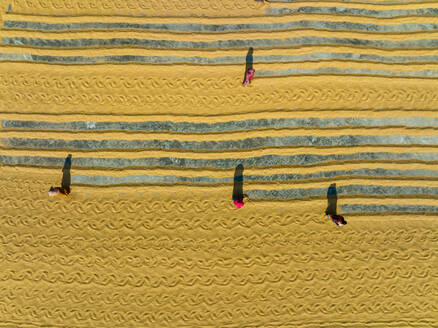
147	97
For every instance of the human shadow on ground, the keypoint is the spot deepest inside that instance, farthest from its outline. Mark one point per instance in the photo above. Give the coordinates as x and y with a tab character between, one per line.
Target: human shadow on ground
238	183
332	199
249	62
66	177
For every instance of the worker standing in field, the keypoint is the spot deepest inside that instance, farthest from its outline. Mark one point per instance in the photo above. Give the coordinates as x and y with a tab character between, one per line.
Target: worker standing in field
238	202
249	69
337	219
238	194
64	190
249	76
332	206
58	191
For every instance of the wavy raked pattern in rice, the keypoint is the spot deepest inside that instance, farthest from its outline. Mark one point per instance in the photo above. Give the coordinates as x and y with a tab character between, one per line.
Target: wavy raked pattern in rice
147	96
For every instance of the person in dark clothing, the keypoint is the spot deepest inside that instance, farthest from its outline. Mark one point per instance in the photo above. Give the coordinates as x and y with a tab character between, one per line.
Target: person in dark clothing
337	219
58	191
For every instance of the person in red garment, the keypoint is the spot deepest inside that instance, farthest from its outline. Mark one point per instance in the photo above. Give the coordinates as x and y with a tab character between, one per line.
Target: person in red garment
239	201
249	76
238	195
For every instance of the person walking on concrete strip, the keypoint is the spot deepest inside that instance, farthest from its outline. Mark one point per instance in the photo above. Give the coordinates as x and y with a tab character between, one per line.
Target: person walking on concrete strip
249	76
337	219
58	191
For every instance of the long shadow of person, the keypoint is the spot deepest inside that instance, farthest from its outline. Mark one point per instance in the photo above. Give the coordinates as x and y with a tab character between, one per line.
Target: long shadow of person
332	199
249	62
66	177
238	194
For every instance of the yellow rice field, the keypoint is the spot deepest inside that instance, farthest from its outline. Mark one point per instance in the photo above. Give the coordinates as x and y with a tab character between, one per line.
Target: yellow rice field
147	97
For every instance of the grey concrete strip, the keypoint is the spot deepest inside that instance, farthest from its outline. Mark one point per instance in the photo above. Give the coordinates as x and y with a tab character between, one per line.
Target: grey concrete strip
378	208
109	180
379	172
374	190
141	178
390	13
189	127
16	57
229	163
427	73
221	44
223	145
199	28
226	60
